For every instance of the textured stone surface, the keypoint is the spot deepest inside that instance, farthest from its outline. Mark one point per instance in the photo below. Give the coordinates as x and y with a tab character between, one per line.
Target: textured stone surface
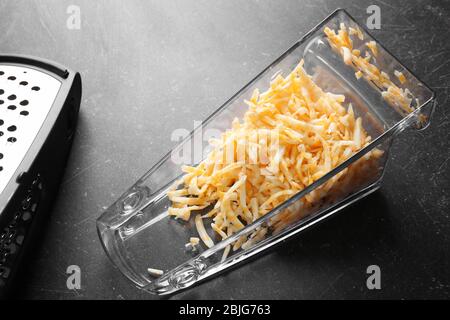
149	67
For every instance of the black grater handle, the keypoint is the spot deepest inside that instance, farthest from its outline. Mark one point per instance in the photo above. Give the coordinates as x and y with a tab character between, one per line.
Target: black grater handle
26	201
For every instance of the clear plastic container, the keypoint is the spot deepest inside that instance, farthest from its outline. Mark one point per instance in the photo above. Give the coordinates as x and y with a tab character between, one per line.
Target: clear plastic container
137	232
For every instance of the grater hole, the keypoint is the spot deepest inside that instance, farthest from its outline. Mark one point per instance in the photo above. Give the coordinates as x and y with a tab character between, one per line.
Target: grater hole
1	168
12	128
2	91
2	102
24	102
1	133
1	156
1	122
12	78
23	83
12	139
12	107
35	88
12	97
24	113
2	73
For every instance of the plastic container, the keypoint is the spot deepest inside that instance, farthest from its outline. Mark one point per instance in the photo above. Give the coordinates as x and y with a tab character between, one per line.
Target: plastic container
137	232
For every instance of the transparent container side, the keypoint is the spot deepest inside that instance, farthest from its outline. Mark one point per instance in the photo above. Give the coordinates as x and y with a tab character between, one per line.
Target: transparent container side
341	187
137	232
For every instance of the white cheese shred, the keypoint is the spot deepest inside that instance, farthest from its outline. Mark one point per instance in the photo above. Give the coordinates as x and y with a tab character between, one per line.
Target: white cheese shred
155	272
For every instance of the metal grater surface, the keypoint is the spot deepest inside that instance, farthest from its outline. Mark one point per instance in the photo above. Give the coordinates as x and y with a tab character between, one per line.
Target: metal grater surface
26	97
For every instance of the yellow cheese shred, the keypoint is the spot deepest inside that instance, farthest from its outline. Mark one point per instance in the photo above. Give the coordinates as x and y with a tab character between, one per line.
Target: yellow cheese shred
202	231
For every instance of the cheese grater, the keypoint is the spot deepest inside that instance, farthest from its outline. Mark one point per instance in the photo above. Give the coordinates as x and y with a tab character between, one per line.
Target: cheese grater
39	104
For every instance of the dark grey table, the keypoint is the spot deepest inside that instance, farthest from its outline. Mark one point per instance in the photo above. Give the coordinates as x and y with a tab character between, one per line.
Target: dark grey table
152	66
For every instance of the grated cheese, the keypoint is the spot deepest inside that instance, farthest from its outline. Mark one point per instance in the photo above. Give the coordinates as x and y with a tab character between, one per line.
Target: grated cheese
194	241
192	244
155	272
399	98
400	76
373	47
291	135
202	231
